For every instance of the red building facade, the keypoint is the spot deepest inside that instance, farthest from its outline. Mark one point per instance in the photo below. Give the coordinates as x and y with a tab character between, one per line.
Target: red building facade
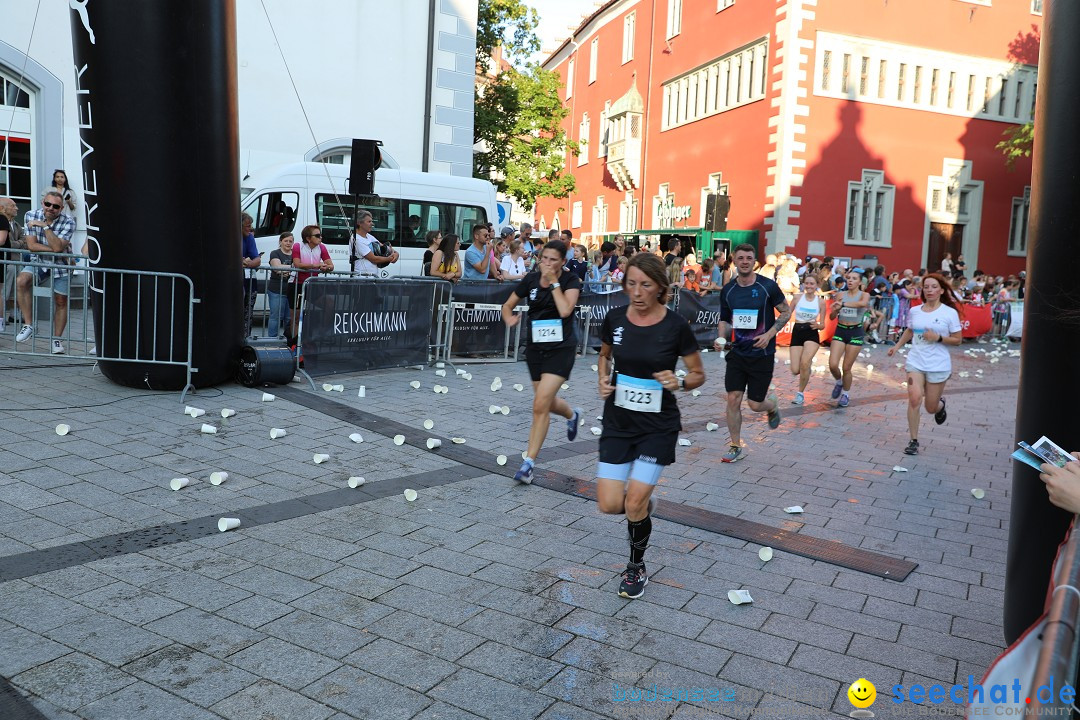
853	128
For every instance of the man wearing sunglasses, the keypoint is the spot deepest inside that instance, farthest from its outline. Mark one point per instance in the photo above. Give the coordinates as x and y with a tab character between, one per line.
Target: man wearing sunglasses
47	231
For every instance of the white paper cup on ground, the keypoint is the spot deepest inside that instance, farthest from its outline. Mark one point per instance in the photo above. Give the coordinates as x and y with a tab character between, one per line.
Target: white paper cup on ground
434	443
414	384
467	376
493	409
428	424
189	410
399	439
712	427
362	391
501	459
440	373
320	458
978	493
440	365
739	597
209	429
227	412
355	482
267	397
356	438
595	430
63	429
794	509
276	433
460	371
409	494
458	441
327	387
197	412
519	387
339	388
765	554
564	386
695	392
177	483
684	442
216	478
226	524
505	410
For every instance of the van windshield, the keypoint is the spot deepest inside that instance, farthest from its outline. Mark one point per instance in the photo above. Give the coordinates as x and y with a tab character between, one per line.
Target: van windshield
404	223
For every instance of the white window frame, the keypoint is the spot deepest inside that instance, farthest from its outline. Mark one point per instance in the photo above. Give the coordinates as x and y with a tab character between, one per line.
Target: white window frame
732	80
584	127
629	34
628	213
1018	232
599	217
570	79
1037	7
723	4
603	135
861	212
594	53
575	215
674	18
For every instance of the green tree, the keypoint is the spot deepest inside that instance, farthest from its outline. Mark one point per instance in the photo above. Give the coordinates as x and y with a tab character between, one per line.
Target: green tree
1017	143
518	113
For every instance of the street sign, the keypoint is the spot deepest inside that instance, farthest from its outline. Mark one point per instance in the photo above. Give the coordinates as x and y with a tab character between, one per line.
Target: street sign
505	208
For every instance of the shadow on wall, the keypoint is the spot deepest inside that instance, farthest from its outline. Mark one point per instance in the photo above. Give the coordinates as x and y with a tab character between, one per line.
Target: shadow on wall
851	188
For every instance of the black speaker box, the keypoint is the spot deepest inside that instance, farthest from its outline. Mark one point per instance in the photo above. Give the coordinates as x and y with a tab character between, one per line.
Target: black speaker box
366	159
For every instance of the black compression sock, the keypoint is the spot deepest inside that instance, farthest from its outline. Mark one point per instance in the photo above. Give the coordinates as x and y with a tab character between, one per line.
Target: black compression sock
639	538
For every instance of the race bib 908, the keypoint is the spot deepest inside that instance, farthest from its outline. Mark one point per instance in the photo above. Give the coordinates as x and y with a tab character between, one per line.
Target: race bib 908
744	319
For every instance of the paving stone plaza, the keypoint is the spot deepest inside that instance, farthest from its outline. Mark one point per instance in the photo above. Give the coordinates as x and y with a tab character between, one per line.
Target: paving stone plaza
119	597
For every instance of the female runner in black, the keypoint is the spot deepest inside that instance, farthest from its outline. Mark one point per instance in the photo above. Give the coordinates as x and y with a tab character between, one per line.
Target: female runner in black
641	344
552	292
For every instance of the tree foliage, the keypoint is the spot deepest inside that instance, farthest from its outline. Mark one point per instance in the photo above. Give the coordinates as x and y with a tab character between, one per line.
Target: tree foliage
518	114
1017	143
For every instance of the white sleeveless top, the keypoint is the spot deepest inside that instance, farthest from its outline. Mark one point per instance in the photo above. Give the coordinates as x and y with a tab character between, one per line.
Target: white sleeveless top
806	311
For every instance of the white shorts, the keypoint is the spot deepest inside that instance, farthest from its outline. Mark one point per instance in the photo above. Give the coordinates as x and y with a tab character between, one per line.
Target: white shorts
932	377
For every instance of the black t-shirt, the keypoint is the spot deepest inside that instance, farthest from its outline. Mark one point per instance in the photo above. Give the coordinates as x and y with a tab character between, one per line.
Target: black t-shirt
427	256
670	258
878	286
542	306
278	283
639	352
5	225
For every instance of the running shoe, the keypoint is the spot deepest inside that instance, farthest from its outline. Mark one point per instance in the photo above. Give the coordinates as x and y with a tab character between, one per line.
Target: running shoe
525	473
25	334
912	448
572	425
838	388
940	415
799	399
734	454
634	580
58	349
774	416
844	399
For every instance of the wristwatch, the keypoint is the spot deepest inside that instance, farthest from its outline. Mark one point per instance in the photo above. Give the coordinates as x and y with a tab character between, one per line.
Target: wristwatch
555	285
682	383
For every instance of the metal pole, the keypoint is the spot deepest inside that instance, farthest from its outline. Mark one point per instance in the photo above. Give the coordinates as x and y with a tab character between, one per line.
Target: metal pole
1048	378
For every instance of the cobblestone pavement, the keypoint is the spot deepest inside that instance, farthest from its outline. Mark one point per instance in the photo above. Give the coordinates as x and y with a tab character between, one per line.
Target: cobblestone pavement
120	599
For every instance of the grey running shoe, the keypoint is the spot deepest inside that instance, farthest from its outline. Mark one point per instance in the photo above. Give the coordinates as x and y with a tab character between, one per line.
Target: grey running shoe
634	580
837	388
734	454
774	416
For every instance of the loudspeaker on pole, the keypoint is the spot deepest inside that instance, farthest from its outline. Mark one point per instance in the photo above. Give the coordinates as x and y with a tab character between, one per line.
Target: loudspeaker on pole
366	158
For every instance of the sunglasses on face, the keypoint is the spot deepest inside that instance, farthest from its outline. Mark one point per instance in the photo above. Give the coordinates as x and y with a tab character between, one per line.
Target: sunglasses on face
48	204
318	235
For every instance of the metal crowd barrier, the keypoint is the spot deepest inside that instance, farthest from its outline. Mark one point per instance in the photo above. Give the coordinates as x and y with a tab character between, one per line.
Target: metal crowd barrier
130	290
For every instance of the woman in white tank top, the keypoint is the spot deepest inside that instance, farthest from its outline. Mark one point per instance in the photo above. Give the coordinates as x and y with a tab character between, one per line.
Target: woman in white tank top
808	318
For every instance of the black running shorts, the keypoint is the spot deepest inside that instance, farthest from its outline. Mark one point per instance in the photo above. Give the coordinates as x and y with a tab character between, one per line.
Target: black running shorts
752	375
657	448
802	333
556	361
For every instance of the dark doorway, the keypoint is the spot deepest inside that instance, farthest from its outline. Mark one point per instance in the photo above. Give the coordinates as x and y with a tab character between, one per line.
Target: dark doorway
944	238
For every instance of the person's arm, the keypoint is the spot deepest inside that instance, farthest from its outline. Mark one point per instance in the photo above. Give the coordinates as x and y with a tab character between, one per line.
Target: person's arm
4	237
819	324
603	372
299	264
781	320
482	266
510	317
1063	484
954	338
327	265
905	337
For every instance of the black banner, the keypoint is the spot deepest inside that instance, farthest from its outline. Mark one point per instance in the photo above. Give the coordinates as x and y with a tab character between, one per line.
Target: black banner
480	331
365	324
703	314
594	306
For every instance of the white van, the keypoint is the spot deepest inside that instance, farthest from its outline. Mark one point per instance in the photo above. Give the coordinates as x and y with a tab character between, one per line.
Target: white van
286	198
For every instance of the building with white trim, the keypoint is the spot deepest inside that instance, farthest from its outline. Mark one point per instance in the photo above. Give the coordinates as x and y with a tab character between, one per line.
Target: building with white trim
852	128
